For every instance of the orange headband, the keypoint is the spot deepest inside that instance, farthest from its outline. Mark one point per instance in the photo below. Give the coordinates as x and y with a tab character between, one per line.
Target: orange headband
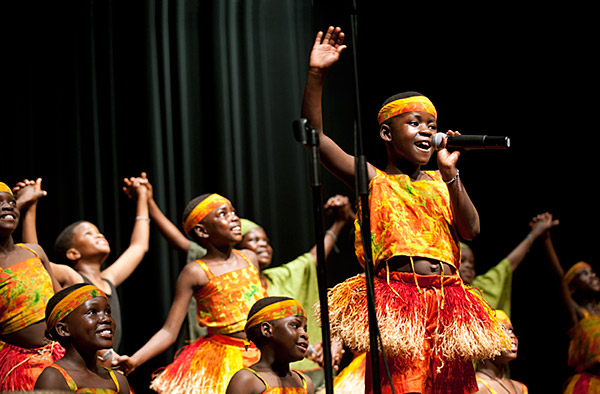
4	188
275	311
502	317
201	210
71	302
409	104
574	270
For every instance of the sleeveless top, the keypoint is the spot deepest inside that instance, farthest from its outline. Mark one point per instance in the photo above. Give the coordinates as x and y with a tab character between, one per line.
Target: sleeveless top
410	218
86	390
492	391
584	347
25	288
222	305
115	307
282	390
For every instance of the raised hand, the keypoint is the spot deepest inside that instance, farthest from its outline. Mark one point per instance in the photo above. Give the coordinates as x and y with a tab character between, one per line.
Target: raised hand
340	207
28	192
132	184
327	48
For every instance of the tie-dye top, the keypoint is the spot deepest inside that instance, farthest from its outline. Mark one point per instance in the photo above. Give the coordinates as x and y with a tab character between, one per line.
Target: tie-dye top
584	348
25	288
86	390
282	390
222	305
410	218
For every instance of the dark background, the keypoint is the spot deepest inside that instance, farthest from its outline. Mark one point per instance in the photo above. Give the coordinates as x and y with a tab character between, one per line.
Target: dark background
202	94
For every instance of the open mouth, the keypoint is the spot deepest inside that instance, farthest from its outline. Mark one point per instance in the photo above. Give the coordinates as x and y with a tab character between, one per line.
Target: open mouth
424	145
303	346
7	216
106	334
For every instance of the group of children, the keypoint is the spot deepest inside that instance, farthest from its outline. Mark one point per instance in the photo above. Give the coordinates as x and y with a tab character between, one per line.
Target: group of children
433	326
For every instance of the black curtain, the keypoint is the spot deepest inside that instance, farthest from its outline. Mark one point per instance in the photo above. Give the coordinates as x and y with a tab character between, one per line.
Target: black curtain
201	95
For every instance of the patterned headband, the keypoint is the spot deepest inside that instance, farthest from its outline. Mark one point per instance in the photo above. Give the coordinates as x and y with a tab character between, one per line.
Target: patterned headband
409	104
574	270
4	188
275	311
201	210
71	302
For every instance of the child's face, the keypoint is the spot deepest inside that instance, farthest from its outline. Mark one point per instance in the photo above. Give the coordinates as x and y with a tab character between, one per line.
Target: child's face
510	354
257	241
223	223
467	265
409	137
91	325
9	214
88	240
290	334
586	281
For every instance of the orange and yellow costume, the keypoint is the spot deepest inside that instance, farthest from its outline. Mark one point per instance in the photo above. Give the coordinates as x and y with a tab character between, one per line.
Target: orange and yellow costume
207	364
431	326
25	288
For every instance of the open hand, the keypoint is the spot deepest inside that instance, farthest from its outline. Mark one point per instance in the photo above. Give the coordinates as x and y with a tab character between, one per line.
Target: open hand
327	48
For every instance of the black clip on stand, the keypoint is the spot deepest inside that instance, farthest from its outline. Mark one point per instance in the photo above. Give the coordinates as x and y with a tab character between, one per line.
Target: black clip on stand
309	137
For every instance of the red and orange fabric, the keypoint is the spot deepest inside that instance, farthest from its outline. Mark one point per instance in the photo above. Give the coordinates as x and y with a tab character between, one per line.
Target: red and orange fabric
275	311
71	302
201	210
25	288
410	218
20	367
207	364
408	104
222	305
282	390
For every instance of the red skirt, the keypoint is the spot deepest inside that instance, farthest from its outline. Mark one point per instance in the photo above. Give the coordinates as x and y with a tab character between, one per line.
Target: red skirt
20	367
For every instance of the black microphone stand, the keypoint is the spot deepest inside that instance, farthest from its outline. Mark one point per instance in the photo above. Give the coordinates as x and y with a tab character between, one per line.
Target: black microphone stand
309	137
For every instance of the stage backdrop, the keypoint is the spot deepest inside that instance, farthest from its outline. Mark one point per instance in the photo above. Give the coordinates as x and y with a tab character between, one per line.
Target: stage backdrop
201	95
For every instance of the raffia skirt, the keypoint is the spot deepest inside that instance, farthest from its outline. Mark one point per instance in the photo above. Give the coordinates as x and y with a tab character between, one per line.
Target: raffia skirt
205	366
20	367
432	329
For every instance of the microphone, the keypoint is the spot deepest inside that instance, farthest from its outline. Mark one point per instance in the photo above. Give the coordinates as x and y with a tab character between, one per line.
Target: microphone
470	142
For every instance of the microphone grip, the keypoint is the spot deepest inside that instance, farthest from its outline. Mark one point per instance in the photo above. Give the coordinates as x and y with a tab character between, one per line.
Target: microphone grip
478	142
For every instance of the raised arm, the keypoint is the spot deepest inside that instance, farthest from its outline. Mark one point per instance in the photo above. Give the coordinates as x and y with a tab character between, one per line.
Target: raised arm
541	224
165	227
466	217
167	335
340	207
571	305
28	192
124	266
325	53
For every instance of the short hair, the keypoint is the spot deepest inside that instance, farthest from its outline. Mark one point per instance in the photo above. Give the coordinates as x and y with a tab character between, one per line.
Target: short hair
55	299
190	207
398	96
253	333
64	242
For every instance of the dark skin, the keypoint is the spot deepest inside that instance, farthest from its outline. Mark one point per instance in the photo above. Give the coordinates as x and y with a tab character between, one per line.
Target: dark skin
284	341
218	232
31	336
408	143
85	331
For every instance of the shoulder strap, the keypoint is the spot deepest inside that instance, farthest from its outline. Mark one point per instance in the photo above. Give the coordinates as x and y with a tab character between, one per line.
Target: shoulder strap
242	255
68	379
258	376
487	386
113	377
29	249
205	268
301	377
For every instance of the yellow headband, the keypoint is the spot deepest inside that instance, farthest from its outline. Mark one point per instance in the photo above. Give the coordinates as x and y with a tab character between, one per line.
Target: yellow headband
574	270
201	210
4	188
275	311
71	302
409	104
502	317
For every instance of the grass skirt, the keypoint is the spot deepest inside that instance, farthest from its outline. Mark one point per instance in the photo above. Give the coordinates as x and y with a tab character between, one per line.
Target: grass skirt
20	367
432	328
205	366
352	378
